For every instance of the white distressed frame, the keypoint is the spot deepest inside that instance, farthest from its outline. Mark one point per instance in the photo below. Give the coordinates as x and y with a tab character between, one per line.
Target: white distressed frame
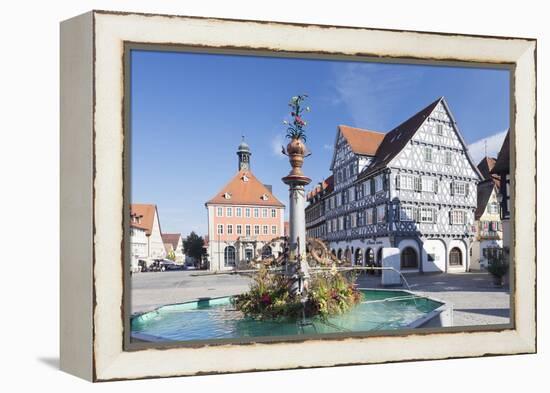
93	115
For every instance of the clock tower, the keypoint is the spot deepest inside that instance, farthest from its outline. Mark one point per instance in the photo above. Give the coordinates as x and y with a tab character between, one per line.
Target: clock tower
243	152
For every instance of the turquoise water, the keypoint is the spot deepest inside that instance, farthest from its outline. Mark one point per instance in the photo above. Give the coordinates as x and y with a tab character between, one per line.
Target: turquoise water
217	318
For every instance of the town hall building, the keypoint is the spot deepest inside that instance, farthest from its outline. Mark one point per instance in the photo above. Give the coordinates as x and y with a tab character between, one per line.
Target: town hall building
413	188
243	217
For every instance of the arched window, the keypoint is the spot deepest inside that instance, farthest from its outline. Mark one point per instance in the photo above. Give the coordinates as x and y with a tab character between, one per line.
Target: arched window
455	257
229	256
369	256
339	254
266	251
348	255
409	258
358	256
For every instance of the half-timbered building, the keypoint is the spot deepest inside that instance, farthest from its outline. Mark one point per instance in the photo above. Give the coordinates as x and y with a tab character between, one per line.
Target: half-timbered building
413	188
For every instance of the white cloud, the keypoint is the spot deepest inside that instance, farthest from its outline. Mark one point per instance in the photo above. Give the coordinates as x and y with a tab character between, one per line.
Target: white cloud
371	91
494	142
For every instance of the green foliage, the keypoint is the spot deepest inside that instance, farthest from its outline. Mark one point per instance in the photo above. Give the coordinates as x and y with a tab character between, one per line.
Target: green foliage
193	246
332	293
498	266
295	130
269	296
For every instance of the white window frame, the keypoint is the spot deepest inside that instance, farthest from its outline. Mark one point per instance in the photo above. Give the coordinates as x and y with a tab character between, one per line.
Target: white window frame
229	211
256	212
273	229
458	217
229	229
264	212
428	181
219	212
247	230
256	230
238	212
273	213
378	183
369	215
427	215
439	129
406	182
406	213
247	212
449	157
239	229
493	208
265	230
381	213
220	229
427	153
459	188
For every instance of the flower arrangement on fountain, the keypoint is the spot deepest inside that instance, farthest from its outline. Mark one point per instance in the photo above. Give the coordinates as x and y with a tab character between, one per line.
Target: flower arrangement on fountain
269	297
305	281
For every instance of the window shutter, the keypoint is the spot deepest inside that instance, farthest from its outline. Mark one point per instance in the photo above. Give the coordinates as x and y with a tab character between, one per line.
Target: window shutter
436	186
467	189
434	214
397	182
452	187
372	186
374	215
387	210
384	182
465	217
451	215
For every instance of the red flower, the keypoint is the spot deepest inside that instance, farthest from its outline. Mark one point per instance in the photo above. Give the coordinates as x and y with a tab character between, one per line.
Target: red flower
266	299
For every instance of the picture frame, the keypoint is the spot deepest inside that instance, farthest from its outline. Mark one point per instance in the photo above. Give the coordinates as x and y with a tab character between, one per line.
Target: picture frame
94	337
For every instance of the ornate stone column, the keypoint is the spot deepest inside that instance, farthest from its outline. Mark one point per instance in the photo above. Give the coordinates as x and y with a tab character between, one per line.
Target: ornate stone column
297	267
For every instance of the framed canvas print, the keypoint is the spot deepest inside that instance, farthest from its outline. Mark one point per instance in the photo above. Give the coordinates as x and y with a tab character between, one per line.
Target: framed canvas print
248	195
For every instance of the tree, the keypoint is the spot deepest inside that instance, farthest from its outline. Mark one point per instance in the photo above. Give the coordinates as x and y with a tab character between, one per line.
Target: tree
193	247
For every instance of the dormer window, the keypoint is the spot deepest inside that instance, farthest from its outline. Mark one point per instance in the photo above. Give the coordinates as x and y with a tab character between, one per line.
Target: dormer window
264	197
227	195
245	178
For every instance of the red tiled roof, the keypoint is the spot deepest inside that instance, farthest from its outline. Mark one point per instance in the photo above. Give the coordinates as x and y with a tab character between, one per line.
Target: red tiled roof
361	141
147	213
485	167
171	238
327	184
243	192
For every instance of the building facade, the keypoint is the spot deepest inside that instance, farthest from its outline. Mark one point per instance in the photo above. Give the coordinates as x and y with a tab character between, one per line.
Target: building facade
316	209
173	242
413	188
502	170
243	217
146	243
488	239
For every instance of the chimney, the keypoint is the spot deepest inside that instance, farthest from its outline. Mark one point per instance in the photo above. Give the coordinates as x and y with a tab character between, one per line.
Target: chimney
269	187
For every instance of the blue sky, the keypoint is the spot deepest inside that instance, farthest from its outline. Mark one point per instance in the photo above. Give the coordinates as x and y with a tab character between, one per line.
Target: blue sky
189	111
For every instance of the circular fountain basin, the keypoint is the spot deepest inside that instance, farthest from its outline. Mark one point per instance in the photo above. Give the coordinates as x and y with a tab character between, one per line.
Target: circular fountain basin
216	318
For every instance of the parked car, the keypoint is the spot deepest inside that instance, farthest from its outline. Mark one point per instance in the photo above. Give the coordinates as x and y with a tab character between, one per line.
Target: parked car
161	265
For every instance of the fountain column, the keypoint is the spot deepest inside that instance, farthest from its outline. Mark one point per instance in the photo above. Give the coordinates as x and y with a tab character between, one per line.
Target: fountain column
297	267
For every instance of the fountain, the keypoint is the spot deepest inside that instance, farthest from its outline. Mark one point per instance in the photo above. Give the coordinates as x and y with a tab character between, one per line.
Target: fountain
305	286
